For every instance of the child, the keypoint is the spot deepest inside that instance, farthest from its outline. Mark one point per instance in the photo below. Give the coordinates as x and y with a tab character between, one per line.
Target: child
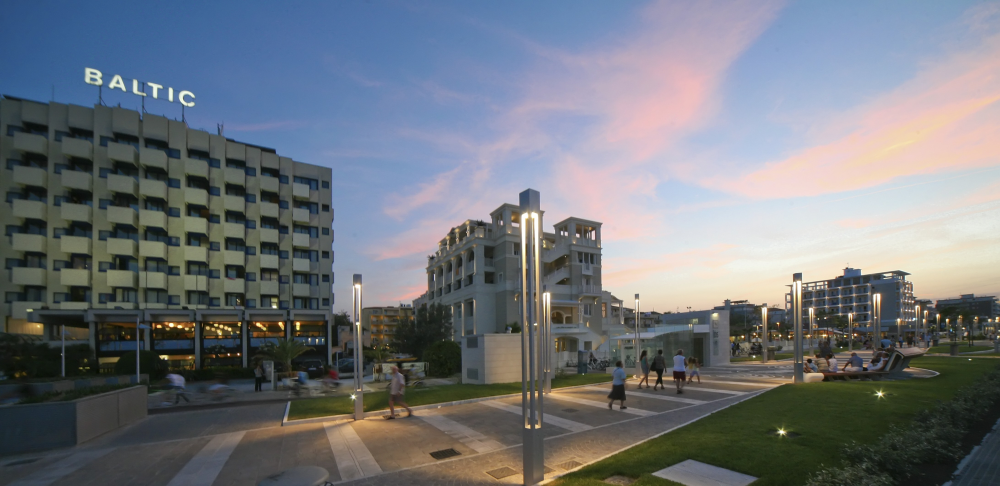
693	370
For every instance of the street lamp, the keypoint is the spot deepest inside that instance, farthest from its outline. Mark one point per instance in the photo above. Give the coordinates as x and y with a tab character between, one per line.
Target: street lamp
359	367
877	317
763	312
532	405
812	326
797	326
916	313
638	371
546	341
850	331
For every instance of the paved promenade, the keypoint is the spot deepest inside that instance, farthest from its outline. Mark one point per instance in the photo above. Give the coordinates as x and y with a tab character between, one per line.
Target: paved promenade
242	445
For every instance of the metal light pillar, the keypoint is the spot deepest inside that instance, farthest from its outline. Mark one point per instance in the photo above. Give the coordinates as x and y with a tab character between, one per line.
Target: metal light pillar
635	345
548	353
850	331
877	318
916	328
812	328
532	404
925	335
359	366
764	346
797	326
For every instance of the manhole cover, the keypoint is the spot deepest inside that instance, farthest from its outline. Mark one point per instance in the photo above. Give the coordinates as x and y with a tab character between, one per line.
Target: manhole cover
566	466
570	410
502	472
620	480
444	454
20	462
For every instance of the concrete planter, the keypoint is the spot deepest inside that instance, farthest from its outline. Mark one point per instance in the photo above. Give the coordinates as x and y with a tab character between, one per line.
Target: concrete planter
43	426
72	384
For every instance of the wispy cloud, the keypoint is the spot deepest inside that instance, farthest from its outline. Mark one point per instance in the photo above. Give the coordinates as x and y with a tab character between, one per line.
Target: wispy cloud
267	126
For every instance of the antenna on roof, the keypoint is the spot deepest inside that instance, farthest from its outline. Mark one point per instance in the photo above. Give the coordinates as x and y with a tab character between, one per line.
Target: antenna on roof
221	127
143	97
183	118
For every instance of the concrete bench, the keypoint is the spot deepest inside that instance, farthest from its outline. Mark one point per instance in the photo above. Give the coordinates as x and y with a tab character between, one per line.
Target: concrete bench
844	375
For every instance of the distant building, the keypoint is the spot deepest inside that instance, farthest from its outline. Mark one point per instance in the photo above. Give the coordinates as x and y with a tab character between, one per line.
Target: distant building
382	322
851	293
982	306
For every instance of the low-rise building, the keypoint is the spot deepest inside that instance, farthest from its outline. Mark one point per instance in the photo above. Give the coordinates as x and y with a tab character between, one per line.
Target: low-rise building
381	322
985	306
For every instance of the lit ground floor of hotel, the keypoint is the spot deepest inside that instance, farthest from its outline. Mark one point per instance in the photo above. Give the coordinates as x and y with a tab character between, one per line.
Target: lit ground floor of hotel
187	339
242	445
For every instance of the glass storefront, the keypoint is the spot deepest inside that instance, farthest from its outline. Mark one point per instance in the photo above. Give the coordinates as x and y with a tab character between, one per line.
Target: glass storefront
265	332
310	333
221	344
173	337
117	337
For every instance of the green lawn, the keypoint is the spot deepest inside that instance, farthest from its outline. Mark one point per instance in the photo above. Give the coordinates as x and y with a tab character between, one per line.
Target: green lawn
962	348
827	415
323	407
744	359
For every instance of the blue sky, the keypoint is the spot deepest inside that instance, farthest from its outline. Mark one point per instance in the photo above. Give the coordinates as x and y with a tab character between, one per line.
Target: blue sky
724	146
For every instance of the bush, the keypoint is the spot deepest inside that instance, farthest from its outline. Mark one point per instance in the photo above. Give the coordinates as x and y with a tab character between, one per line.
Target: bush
444	358
150	363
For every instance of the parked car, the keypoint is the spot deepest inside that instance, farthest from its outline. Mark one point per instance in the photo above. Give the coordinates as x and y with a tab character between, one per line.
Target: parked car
313	367
346	366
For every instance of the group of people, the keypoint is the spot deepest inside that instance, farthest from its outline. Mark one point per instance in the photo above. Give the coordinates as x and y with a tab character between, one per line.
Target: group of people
855	363
685	370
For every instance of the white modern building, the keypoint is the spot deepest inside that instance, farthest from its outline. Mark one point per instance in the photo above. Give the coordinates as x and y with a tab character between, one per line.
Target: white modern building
113	216
851	293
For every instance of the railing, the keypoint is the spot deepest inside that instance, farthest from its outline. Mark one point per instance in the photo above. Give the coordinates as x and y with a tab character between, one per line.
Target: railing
120	345
588	289
488	262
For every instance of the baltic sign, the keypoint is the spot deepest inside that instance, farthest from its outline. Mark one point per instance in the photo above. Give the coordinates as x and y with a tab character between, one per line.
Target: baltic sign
94	77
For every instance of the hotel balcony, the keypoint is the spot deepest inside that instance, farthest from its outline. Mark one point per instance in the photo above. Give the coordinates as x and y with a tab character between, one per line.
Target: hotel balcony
300	240
19	310
28	276
269	261
300	215
195	282
122	215
234	230
193	195
269	287
29	142
30	176
152	249
230	257
122	246
74	244
267	209
589	289
26	209
74	179
123	184
269	184
268	235
234	203
301	265
301	290
74	147
122	278
150	218
196	253
234	176
195	167
153	158
74	277
153	280
76	212
27	242
300	191
153	188
234	286
122	153
195	225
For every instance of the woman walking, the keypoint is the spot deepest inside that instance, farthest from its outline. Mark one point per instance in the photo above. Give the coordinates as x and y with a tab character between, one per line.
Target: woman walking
659	365
644	365
617	386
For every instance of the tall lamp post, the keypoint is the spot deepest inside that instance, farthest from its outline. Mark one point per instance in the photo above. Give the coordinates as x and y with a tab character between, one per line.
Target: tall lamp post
797	326
635	347
546	341
532	405
850	331
916	329
763	317
359	366
812	327
877	317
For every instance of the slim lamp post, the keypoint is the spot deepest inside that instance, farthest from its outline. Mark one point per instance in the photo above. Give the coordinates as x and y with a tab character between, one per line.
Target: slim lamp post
532	405
812	325
797	326
546	341
763	317
916	329
638	370
359	367
850	331
877	317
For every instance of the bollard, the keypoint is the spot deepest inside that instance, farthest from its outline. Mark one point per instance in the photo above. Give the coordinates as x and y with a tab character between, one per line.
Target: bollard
953	349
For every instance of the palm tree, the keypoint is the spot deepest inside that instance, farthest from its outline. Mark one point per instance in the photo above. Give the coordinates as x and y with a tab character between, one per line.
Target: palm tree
283	351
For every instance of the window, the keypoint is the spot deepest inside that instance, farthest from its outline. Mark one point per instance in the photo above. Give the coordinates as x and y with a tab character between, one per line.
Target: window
251	250
251	303
283	254
283	204
213	218
326	184
326	255
197	297
235	272
251	172
156	234
326	279
197	268
587	308
174	270
269	301
214	191
251	276
283	179
156	265
234	300
174	183
174	212
312	183
173	300
283	230
326	302
213	274
126	295
235	164
214	163
235	244
268	275
213	246
154	204
300	278
269	249
235	217
326	231
312	231
283	279
235	190
156	296
268	172
311	206
251	198
326	208
103	266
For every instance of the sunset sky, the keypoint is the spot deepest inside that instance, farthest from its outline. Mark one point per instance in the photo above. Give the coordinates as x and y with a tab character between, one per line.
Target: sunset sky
724	146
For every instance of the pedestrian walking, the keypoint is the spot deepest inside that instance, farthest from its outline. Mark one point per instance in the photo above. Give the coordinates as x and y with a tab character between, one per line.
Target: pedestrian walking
693	369
177	384
258	378
396	389
679	370
618	378
659	365
644	366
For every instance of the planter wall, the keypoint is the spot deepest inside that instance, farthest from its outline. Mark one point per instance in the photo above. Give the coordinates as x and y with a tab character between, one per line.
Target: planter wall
44	426
72	384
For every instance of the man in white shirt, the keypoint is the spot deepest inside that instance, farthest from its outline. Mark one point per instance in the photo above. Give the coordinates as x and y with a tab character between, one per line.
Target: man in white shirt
396	388
679	370
177	384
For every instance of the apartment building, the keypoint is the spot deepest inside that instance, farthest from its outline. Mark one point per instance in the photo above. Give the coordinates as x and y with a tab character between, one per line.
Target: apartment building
851	293
985	306
382	322
475	272
115	217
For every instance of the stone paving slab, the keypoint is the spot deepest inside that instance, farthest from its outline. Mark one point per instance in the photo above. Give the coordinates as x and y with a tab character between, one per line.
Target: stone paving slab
982	466
694	473
264	452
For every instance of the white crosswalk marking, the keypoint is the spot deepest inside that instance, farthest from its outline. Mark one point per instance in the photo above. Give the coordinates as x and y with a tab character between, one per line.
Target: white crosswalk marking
354	460
547	418
57	471
474	440
715	390
669	398
745	383
592	403
204	467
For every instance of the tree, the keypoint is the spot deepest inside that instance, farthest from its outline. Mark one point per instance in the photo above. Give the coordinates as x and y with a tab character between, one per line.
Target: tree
149	363
444	358
431	324
340	319
283	351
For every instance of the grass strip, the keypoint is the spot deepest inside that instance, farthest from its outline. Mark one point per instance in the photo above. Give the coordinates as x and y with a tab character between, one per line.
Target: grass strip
827	415
961	348
379	400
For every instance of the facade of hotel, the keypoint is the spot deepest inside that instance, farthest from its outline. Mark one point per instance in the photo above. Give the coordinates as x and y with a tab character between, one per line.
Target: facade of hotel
114	217
851	293
381	322
983	306
475	272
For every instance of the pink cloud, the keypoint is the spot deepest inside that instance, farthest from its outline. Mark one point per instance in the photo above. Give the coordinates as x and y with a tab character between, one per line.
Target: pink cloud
945	119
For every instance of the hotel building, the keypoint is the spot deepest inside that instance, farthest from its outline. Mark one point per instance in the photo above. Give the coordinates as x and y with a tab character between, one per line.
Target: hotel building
381	322
115	217
851	293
